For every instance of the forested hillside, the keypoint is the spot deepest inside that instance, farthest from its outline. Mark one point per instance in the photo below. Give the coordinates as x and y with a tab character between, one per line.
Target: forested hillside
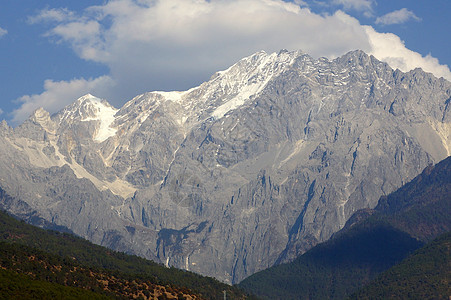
426	274
55	263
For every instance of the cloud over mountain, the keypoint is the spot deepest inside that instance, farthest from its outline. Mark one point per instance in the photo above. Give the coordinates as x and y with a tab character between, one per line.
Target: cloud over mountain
176	44
58	93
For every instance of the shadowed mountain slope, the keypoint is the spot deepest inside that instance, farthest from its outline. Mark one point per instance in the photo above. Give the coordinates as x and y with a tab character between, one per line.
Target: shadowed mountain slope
370	243
426	274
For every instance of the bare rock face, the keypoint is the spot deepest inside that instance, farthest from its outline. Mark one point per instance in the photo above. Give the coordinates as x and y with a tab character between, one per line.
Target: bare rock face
248	170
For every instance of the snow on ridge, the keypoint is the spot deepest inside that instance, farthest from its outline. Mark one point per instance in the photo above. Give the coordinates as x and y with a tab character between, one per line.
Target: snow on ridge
174	96
106	117
260	68
104	113
238	100
88	97
225	91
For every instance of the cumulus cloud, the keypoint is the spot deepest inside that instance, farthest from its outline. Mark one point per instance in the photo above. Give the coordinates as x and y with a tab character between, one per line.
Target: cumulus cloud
397	17
390	48
177	44
58	94
3	32
209	29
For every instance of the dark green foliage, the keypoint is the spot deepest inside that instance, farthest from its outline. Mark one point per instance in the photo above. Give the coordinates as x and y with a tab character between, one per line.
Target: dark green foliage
56	246
42	266
371	242
424	275
18	286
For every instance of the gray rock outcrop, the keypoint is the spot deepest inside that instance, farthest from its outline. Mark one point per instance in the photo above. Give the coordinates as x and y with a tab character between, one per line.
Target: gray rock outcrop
250	169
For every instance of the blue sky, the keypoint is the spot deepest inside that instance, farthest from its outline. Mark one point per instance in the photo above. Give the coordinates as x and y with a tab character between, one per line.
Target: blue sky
53	52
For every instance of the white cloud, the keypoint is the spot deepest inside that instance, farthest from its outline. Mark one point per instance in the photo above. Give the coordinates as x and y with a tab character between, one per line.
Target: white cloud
54	14
3	32
300	3
177	44
397	17
1	111
58	94
358	5
390	48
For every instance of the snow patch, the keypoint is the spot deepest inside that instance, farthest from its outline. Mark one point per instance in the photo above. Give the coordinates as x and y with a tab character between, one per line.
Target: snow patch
239	99
103	113
175	96
255	72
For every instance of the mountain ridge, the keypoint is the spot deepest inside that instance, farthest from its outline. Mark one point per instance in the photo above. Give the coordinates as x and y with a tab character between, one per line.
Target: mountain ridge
251	168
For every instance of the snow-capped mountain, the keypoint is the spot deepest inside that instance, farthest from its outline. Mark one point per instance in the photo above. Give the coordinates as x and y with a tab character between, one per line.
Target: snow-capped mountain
249	169
90	108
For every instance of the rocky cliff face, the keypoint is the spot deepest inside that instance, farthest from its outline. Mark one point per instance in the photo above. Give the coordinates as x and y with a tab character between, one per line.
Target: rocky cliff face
251	168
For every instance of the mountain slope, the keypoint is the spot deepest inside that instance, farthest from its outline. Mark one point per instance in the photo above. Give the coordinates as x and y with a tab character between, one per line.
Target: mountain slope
17	286
426	274
422	207
59	274
370	243
334	269
247	170
60	258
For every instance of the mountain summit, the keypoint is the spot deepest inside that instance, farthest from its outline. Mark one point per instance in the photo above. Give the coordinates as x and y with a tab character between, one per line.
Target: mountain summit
247	170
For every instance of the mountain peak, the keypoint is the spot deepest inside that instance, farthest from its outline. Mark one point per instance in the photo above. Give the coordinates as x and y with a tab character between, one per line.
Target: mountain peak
40	112
4	127
253	74
88	97
90	108
357	57
226	90
42	117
